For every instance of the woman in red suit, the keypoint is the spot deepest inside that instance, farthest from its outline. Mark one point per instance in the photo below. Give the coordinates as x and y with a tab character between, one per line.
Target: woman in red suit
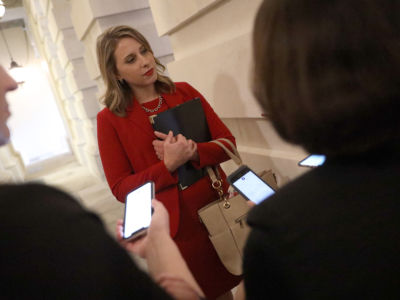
132	153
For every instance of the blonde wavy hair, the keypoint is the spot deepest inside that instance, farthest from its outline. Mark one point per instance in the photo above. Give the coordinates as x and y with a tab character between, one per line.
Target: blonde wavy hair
118	94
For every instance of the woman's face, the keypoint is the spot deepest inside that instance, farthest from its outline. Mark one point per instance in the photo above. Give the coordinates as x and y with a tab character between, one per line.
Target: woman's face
135	64
6	84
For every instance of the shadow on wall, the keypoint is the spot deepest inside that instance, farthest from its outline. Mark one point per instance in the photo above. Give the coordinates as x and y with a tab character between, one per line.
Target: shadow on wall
233	109
277	168
261	148
227	99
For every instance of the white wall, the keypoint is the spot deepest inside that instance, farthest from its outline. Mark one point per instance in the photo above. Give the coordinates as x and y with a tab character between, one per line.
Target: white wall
212	44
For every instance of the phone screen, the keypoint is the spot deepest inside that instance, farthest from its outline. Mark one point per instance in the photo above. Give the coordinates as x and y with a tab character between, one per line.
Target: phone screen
253	187
138	210
313	160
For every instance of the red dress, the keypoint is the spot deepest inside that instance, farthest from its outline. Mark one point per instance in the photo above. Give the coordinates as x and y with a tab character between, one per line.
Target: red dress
129	160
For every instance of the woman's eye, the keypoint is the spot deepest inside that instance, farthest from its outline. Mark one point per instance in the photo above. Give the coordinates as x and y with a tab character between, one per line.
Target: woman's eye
143	51
130	60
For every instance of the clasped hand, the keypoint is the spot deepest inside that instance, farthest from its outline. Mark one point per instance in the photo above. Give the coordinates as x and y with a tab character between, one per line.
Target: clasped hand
174	150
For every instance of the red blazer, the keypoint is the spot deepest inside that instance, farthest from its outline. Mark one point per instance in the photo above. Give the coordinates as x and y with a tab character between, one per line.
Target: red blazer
129	159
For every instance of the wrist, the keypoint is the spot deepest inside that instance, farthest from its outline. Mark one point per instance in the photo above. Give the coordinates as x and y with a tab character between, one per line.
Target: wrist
169	166
156	241
195	156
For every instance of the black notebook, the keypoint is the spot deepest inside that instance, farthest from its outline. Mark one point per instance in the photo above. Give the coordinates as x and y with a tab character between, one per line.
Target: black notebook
189	120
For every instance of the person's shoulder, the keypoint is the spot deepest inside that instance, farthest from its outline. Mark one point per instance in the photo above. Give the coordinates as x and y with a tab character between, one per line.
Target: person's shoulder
106	116
29	187
37	197
104	113
182	84
184	87
187	91
287	202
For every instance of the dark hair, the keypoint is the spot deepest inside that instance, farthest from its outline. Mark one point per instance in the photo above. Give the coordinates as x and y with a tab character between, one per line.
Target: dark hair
119	95
327	72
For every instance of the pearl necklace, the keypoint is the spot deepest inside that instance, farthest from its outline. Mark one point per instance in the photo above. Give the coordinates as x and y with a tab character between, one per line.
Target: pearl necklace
160	101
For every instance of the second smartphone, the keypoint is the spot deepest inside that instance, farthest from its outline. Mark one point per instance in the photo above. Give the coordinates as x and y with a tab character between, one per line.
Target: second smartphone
138	211
312	161
250	185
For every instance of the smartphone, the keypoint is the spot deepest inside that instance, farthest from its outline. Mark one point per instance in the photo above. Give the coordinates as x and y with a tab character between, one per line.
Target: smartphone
250	185
312	161
138	211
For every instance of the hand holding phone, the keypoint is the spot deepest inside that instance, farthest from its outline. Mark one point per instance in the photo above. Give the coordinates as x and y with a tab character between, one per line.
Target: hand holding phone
159	228
250	185
138	211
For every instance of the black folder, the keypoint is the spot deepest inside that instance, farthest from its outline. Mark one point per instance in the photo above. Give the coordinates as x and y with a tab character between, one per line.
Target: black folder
189	120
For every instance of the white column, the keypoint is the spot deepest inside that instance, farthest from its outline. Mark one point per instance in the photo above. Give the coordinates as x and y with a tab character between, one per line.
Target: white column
77	92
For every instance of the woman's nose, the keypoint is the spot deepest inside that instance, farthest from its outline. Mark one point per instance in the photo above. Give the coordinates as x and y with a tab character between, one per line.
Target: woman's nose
144	60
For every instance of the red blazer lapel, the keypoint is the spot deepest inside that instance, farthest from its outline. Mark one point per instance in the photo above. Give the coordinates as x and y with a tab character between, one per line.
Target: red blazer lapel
137	115
142	134
173	100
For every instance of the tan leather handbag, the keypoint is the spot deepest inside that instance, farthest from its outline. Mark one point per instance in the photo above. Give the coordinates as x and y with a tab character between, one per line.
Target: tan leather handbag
225	218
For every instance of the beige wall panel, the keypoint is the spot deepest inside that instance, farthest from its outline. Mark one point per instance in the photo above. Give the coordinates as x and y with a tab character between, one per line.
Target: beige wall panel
259	133
142	20
173	14
112	7
77	76
221	74
225	22
84	13
81	16
90	55
139	19
71	45
262	148
59	10
87	105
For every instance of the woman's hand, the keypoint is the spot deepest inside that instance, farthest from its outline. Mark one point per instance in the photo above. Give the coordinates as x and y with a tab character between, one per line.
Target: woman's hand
165	263
159	226
250	204
137	246
159	144
178	150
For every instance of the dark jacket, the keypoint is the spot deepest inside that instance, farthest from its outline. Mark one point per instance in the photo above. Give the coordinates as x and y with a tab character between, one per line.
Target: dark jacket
333	233
51	248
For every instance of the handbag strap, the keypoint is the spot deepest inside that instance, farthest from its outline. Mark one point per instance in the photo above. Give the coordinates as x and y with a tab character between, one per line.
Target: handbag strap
234	154
216	181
